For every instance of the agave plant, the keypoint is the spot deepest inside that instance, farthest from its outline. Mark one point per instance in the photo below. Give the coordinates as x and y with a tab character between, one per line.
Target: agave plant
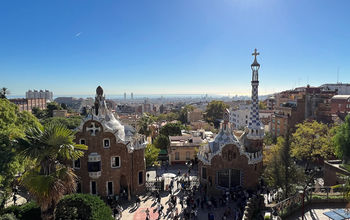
52	148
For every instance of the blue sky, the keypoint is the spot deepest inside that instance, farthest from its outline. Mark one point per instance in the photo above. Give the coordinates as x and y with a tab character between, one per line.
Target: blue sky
172	46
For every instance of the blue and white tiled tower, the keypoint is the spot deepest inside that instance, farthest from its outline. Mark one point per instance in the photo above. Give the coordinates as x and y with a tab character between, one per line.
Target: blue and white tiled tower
256	129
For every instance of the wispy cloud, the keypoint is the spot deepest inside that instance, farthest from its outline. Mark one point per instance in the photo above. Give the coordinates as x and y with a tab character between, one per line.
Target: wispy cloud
78	34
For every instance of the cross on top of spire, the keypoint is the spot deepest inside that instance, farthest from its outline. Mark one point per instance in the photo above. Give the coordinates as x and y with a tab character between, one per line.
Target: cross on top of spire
255	53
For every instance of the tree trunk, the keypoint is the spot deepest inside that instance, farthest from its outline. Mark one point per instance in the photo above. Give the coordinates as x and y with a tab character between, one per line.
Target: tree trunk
48	214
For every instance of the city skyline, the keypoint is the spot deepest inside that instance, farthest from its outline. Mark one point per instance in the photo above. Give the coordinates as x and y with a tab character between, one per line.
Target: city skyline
197	47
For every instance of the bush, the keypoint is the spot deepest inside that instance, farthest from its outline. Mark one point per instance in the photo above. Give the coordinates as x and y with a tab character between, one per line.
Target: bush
82	206
27	211
8	216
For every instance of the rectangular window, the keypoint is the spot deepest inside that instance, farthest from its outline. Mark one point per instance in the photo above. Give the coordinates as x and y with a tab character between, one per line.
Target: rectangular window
177	156
109	188
94	166
204	173
223	178
106	143
93	188
115	162
188	157
140	177
82	141
76	163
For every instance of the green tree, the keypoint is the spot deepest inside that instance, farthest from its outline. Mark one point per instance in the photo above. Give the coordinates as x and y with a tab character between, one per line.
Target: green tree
269	139
341	140
214	111
151	154
82	206
312	141
281	171
38	113
143	124
183	113
171	129
50	178
52	106
71	122
13	123
162	142
4	92
262	105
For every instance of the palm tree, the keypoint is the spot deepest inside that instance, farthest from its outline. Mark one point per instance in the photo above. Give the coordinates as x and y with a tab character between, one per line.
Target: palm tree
144	123
51	147
4	92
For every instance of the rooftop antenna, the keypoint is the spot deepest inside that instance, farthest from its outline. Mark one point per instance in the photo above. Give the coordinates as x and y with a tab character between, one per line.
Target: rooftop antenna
338	75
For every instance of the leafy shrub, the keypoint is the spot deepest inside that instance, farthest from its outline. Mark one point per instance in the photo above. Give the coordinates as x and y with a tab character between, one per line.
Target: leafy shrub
27	211
8	216
82	206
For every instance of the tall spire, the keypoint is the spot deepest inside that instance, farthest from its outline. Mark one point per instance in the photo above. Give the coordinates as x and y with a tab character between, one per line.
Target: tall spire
256	130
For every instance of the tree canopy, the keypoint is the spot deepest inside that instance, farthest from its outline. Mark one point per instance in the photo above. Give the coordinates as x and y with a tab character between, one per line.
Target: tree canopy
13	123
51	177
71	122
280	170
162	142
151	154
143	124
312	141
341	140
183	113
215	110
171	129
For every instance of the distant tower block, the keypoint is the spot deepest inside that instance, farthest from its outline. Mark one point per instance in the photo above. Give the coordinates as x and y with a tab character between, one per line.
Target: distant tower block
124	95
132	95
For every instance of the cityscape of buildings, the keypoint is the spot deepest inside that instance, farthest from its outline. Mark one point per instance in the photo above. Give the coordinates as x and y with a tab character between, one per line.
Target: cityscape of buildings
165	110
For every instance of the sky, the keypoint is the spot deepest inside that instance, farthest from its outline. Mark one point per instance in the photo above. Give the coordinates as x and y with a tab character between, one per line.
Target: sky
172	46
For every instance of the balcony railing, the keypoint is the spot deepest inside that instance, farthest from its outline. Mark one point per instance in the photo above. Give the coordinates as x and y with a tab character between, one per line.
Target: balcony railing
95	174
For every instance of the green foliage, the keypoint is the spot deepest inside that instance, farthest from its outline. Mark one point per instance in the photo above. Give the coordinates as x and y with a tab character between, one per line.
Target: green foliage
82	206
161	142
52	106
269	139
171	129
312	141
51	177
144	123
8	216
71	122
151	154
341	140
262	105
280	170
27	211
171	116
38	113
183	113
215	110
13	123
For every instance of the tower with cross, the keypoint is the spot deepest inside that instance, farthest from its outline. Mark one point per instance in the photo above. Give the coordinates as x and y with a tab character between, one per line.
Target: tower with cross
255	127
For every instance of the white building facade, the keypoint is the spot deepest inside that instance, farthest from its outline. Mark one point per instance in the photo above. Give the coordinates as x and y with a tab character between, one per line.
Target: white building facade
239	117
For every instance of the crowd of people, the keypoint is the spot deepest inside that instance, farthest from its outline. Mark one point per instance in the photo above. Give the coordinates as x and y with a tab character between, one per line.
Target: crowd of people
187	198
194	199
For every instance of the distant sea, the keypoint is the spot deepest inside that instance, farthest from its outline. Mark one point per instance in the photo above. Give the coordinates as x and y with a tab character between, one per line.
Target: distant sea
140	96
